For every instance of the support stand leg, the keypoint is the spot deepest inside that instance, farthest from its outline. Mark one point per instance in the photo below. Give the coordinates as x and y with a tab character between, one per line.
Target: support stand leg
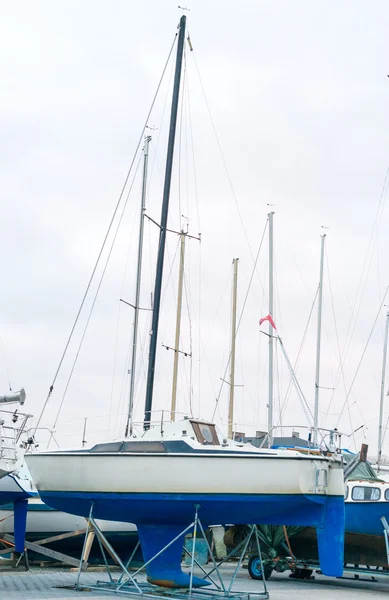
129	585
20	523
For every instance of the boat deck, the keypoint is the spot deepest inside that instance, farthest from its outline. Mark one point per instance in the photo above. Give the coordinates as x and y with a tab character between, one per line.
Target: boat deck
53	584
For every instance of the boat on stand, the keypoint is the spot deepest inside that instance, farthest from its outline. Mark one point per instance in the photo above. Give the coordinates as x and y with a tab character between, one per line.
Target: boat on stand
16	486
177	471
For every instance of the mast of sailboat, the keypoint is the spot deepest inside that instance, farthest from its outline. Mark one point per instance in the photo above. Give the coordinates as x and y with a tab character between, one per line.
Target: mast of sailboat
318	344
178	325
271	307
233	341
84	432
383	373
128	429
163	224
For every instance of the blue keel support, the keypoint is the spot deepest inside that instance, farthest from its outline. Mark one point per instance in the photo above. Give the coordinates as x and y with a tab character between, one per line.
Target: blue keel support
330	539
165	570
20	523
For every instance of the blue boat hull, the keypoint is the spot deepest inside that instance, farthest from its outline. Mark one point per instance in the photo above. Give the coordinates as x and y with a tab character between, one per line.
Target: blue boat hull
365	517
161	517
9	497
19	498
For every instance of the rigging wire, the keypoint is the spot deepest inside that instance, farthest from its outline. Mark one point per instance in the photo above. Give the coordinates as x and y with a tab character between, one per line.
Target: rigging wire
225	165
154	162
114	368
241	315
51	388
95	298
300	392
363	353
370	248
283	408
188	308
204	344
278	379
118	320
341	364
261	380
385	430
189	110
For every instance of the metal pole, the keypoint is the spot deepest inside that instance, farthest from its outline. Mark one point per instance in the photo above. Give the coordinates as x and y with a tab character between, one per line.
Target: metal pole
271	307
233	340
137	291
318	344
178	326
84	432
383	373
163	224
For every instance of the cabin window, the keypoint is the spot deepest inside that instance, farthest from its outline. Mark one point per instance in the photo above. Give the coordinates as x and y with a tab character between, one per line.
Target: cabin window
108	447
205	433
346	493
361	492
387	494
142	447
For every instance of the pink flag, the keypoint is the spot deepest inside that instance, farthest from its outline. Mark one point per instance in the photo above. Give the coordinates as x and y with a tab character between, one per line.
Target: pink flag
268	318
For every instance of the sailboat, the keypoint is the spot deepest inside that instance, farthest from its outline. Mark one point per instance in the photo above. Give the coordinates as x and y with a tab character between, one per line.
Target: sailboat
363	511
159	481
366	496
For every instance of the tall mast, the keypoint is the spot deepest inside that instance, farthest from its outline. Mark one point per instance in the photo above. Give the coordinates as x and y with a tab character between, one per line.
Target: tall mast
163	224
383	373
178	325
138	282
233	340
318	344
271	339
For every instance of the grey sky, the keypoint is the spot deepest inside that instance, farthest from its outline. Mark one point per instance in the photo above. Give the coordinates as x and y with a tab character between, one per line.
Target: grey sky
299	96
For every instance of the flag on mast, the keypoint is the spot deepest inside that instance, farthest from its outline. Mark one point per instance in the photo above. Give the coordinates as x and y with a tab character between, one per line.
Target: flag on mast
268	318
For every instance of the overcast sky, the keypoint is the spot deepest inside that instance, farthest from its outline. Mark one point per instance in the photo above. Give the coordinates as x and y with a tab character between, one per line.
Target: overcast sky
299	97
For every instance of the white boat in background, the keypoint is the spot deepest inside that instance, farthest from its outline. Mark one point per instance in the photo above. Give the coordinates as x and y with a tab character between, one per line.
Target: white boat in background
44	521
17	485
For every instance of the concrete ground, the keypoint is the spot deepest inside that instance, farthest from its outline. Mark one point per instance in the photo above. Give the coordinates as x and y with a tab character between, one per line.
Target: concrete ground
50	584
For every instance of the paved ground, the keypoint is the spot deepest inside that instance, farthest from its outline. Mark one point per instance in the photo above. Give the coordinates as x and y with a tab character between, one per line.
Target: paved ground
49	584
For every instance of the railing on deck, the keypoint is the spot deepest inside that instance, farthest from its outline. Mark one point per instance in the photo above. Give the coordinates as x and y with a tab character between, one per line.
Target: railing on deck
10	435
162	418
329	439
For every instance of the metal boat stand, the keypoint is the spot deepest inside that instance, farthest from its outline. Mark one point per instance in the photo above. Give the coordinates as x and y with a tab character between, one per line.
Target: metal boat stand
127	583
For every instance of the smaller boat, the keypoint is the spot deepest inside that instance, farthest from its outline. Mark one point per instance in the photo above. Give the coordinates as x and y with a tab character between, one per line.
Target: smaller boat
366	501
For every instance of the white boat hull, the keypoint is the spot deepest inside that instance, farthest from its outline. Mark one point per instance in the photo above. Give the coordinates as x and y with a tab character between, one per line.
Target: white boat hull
180	474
